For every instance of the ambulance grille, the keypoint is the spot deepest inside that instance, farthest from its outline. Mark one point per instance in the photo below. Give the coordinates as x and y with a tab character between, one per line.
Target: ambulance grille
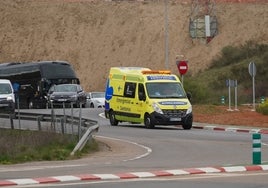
174	113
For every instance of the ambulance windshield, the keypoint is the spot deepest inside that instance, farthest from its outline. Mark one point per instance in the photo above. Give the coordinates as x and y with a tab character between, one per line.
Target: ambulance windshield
165	90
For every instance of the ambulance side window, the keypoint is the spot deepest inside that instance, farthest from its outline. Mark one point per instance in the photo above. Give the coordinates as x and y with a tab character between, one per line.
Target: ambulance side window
141	92
130	89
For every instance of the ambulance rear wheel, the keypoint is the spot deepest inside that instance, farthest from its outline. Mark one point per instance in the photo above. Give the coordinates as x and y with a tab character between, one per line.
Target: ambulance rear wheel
113	120
148	122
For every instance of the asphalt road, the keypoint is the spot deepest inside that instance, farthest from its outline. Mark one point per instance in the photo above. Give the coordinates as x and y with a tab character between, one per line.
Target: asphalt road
136	149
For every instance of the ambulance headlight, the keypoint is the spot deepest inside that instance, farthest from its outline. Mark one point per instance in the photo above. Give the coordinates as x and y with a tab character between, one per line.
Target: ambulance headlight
157	108
189	110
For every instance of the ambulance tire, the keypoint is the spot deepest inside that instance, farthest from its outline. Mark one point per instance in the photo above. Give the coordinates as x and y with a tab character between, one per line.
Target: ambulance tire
113	120
187	126
148	122
188	122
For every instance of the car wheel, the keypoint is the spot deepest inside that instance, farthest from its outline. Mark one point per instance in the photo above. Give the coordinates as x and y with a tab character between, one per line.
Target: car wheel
113	120
91	105
148	122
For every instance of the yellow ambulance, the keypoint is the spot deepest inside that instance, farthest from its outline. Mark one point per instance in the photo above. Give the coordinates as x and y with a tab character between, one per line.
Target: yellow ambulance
144	96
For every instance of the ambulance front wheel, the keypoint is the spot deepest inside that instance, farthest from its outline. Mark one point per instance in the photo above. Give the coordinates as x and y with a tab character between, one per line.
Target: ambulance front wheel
188	122
113	120
187	126
148	122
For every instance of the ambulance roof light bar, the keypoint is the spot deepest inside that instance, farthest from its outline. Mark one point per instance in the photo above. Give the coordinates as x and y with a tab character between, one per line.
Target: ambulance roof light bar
156	72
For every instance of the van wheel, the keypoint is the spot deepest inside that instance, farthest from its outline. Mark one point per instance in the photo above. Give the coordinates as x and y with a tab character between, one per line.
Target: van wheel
148	122
188	122
113	120
187	126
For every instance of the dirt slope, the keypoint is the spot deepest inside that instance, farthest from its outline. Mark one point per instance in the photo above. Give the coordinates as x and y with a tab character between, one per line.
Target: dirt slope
95	35
222	115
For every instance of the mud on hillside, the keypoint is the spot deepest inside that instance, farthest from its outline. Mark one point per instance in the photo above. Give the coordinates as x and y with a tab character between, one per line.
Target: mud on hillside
95	35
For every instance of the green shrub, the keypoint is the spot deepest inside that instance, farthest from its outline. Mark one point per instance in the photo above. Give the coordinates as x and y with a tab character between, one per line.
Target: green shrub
263	108
197	90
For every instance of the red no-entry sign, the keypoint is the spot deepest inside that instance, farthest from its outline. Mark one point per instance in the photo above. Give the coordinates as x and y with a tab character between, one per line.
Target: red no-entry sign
183	67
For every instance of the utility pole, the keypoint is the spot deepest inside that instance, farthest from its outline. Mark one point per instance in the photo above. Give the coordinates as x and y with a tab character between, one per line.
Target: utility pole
166	35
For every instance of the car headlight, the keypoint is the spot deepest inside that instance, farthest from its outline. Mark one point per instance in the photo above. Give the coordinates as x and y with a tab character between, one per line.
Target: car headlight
9	98
157	108
189	110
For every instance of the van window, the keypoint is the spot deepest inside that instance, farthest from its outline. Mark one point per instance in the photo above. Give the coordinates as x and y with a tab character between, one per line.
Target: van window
5	88
164	90
130	89
141	92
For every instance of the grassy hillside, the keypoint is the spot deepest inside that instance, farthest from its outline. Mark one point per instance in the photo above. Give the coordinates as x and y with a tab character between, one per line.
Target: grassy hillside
94	36
232	64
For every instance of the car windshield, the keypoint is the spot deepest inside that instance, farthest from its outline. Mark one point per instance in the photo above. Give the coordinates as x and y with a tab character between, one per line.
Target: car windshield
98	95
66	88
165	90
5	88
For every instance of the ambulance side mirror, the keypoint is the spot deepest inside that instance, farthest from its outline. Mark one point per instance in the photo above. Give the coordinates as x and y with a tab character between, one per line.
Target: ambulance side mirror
142	96
189	95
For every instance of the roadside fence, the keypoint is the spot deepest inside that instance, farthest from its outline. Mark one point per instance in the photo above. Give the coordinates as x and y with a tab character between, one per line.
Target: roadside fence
52	120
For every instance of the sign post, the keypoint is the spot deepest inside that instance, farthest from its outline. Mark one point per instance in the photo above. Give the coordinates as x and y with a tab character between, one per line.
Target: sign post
235	86
229	84
16	88
182	67
252	71
229	91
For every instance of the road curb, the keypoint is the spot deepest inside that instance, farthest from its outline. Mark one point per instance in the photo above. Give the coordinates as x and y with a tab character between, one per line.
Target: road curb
230	129
131	175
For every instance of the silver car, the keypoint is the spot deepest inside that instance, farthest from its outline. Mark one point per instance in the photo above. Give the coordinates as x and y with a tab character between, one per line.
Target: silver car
7	97
95	100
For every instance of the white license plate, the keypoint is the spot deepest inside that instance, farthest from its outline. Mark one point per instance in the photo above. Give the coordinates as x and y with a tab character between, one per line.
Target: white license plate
3	105
175	119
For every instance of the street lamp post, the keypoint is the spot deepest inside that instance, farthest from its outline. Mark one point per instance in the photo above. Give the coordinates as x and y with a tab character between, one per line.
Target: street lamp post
166	35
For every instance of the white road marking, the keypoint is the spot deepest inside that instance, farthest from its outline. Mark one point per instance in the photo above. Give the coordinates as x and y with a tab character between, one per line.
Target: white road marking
148	150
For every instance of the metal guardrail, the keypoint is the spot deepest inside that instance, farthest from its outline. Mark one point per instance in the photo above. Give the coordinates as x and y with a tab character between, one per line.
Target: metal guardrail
48	118
84	125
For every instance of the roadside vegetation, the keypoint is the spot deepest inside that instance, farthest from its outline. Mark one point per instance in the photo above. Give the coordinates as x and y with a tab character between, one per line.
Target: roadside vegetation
18	146
263	108
209	86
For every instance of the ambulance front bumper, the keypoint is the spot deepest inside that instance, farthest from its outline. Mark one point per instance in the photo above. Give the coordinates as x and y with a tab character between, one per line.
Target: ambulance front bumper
171	118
